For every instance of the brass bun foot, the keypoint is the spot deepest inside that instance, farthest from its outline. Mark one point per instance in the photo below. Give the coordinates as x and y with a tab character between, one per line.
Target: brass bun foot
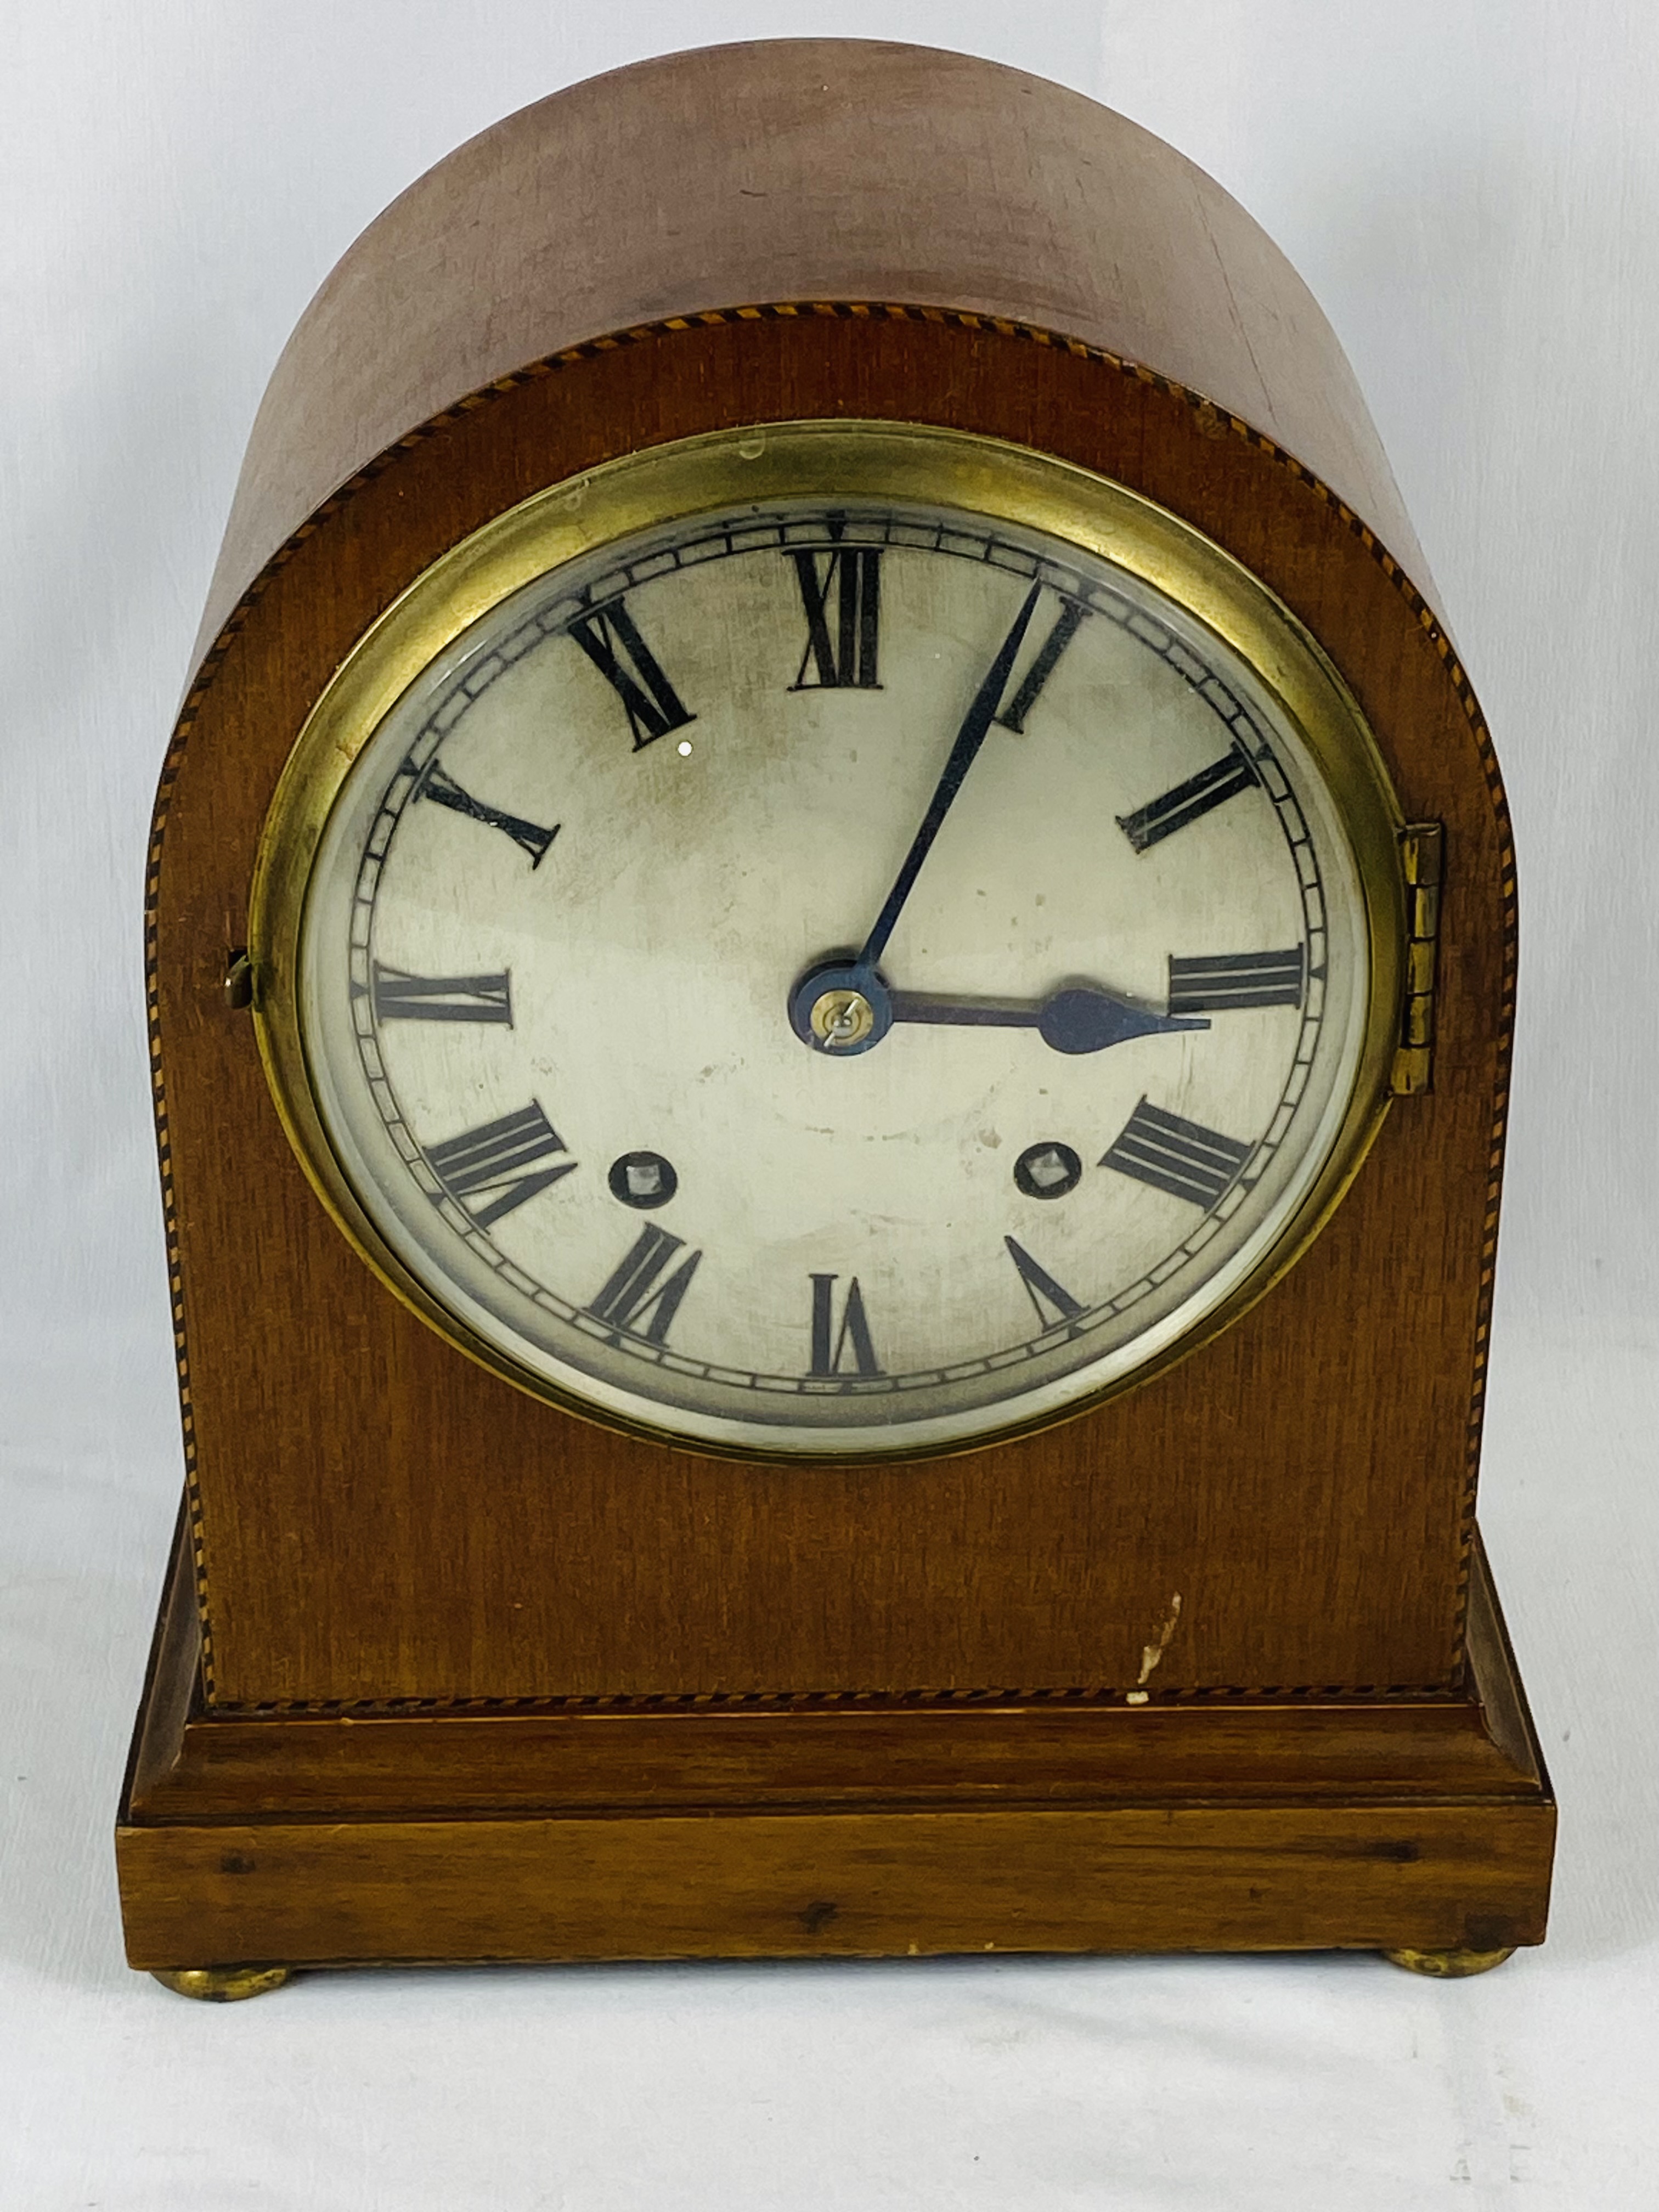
221	1984
1448	1965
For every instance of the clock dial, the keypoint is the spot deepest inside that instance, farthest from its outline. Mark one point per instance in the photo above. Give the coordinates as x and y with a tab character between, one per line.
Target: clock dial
834	976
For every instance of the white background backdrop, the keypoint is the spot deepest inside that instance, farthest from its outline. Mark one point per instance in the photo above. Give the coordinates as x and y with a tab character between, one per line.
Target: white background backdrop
1472	188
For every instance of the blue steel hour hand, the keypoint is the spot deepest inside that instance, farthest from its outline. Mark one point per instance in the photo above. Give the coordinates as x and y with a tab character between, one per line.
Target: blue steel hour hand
1080	1018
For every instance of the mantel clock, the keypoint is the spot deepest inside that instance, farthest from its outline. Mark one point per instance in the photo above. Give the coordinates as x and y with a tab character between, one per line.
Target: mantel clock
831	954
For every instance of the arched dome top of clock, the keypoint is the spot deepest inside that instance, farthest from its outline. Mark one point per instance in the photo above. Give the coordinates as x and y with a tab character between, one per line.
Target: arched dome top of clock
796	169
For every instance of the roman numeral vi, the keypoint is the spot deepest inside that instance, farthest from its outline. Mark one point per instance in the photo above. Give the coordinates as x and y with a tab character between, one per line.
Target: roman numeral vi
829	1346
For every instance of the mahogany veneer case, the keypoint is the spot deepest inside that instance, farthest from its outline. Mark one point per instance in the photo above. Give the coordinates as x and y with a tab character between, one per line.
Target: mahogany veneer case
443	1672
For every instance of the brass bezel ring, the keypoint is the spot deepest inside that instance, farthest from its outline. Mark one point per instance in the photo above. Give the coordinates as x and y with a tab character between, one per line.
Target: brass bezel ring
836	460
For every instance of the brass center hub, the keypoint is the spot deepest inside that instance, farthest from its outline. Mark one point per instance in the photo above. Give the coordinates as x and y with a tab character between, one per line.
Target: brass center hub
841	1019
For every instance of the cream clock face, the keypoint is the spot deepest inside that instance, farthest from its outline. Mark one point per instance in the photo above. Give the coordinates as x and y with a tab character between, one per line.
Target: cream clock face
835	976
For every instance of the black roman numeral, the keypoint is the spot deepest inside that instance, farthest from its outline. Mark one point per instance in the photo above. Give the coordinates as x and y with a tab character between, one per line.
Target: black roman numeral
842	654
829	1346
401	997
610	639
1067	625
635	1290
1210	788
496	1162
1041	1288
1216	982
1181	1158
433	783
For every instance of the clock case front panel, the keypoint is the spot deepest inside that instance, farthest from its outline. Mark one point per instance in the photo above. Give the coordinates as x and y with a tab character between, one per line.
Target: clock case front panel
408	1596
380	1519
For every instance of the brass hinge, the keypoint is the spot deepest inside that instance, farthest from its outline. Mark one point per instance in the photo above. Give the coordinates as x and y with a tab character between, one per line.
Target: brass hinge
1420	849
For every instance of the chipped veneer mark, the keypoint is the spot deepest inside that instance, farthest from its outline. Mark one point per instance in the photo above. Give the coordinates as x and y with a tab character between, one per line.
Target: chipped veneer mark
1151	1653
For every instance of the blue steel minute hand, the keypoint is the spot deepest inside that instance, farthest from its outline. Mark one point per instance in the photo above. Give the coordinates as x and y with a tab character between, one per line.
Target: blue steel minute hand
969	737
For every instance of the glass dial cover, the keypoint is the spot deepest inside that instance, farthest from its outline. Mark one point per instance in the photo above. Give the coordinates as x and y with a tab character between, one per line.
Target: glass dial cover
849	965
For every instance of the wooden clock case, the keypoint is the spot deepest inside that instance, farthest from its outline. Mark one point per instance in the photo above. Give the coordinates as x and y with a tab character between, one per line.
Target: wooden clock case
443	1672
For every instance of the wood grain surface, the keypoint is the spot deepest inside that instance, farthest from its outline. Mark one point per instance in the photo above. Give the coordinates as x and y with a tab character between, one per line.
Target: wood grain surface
447	1673
814	168
1136	1878
192	1761
825	1833
380	1519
